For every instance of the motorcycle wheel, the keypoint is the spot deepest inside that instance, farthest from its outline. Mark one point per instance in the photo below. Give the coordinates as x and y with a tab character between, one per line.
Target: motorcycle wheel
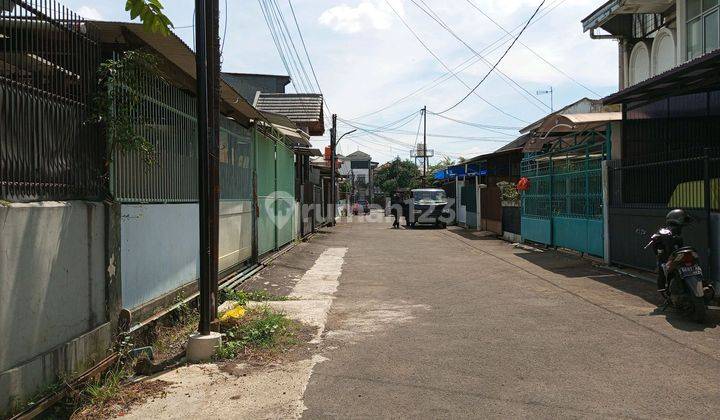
699	309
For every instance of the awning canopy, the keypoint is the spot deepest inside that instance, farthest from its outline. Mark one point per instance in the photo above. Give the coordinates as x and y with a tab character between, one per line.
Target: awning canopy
568	123
307	151
287	128
615	16
698	75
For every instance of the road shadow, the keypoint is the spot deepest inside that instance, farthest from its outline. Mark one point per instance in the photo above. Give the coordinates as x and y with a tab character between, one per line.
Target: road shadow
472	234
574	266
424	227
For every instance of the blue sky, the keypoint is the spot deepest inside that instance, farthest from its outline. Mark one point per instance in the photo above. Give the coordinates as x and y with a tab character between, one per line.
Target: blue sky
366	59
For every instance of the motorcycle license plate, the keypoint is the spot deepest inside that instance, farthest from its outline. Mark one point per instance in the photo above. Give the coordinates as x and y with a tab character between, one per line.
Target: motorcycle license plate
692	271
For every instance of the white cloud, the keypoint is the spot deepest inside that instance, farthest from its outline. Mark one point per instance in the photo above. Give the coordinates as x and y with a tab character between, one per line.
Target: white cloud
90	13
374	14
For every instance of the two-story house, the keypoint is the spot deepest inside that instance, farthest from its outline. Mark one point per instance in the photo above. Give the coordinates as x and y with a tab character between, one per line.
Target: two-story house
655	36
358	168
669	90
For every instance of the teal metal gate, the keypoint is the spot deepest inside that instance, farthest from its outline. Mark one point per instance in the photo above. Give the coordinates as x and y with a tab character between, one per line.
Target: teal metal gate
563	205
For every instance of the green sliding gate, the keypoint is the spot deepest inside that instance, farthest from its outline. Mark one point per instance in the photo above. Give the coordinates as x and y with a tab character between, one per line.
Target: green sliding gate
285	199
275	192
563	205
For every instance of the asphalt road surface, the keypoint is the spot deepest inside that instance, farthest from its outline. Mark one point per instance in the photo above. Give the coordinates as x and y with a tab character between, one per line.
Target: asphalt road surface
431	323
447	323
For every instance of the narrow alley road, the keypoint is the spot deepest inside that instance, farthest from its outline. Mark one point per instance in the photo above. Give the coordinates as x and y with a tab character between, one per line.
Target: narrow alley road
430	323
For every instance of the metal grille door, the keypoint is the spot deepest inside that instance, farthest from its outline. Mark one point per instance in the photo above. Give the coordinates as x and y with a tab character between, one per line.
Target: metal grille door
563	206
285	200
265	149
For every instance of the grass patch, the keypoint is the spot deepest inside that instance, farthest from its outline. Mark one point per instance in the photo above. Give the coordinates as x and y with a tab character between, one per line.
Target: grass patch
170	337
107	395
243	297
262	329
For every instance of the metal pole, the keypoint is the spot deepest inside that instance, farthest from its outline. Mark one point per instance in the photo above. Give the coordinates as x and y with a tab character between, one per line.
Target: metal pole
606	211
333	181
424	145
708	212
212	35
206	274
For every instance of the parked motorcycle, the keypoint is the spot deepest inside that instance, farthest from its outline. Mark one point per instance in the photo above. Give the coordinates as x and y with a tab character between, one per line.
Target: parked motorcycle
680	277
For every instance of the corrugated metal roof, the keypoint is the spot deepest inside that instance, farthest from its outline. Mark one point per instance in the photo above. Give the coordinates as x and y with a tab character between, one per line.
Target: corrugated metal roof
564	123
304	109
613	8
515	144
697	75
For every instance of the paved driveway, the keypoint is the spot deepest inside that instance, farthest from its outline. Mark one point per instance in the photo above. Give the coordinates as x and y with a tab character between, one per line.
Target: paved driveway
428	323
447	323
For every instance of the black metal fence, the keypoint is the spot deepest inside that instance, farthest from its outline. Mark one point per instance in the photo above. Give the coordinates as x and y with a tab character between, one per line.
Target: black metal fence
640	196
48	65
671	183
511	219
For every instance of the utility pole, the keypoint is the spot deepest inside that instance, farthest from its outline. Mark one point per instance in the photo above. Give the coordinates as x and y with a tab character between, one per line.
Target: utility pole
212	31
424	145
333	159
201	345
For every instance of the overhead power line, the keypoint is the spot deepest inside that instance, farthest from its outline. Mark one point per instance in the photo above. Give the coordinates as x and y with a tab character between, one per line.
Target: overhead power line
286	37
288	51
535	53
372	133
271	28
394	124
307	55
512	44
476	125
507	79
397	130
417	37
464	65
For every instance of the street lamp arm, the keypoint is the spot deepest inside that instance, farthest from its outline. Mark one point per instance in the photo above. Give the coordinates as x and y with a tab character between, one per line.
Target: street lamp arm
349	132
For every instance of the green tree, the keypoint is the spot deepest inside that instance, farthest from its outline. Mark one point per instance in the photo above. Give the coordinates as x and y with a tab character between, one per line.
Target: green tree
444	163
397	174
151	14
345	186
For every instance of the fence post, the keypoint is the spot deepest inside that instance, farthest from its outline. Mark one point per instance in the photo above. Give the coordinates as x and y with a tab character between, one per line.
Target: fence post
255	204
606	211
275	194
708	212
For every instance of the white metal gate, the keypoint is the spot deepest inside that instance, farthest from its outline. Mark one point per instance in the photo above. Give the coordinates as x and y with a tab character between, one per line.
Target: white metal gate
461	208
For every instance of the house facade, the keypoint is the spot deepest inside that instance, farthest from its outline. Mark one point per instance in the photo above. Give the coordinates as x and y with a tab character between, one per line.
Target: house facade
655	36
358	167
669	94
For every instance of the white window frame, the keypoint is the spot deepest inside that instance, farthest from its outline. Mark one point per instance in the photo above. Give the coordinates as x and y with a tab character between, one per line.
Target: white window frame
703	14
